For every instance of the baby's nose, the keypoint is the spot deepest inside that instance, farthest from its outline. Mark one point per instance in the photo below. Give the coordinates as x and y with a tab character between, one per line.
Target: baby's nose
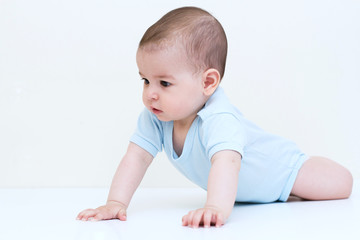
152	94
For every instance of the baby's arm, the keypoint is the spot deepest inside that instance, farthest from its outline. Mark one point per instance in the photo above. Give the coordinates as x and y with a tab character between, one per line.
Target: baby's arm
222	188
127	178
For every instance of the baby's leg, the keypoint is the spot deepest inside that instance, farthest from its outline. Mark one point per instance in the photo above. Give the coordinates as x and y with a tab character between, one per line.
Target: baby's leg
322	179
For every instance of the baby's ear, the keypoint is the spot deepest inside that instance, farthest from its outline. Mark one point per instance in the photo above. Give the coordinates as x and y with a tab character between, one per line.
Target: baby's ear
211	80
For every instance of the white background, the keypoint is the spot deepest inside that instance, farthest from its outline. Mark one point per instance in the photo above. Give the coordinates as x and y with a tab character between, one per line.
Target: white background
70	93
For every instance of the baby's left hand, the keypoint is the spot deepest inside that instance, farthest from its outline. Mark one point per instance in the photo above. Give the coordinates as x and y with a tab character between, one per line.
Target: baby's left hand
207	216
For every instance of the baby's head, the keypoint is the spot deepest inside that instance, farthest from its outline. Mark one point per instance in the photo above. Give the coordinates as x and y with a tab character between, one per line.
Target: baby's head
181	59
194	31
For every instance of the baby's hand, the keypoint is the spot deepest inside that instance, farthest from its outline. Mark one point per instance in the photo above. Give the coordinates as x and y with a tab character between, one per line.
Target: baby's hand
207	216
111	210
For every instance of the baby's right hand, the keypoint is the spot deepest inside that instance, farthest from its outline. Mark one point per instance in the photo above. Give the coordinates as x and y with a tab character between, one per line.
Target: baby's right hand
111	210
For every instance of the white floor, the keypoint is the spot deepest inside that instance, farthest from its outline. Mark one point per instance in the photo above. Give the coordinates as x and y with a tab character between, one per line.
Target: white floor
155	213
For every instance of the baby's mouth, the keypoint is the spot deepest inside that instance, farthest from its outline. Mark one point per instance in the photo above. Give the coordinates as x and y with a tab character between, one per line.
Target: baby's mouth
155	110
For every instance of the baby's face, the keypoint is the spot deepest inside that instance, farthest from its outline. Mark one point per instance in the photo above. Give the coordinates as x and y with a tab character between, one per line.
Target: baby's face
172	91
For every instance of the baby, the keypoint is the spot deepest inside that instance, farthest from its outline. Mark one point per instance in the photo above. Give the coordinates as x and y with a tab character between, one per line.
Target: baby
181	60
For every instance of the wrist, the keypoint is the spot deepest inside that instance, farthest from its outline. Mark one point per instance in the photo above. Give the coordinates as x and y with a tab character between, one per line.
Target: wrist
117	203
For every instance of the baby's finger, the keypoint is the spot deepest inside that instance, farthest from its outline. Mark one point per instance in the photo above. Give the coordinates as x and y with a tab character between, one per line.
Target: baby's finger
219	220
81	214
89	215
189	218
99	216
198	216
85	215
122	215
185	221
207	219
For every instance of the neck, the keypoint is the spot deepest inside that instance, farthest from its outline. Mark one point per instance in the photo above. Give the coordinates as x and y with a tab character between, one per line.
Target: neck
184	123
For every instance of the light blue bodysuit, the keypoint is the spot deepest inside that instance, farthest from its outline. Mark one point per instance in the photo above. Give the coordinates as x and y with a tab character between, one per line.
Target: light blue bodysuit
269	163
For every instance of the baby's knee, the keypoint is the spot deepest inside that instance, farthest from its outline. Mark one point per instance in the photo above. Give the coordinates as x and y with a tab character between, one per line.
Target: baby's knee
322	179
343	180
347	180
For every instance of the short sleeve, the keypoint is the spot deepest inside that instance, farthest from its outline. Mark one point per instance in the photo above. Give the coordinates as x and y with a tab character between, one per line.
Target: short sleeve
223	131
149	133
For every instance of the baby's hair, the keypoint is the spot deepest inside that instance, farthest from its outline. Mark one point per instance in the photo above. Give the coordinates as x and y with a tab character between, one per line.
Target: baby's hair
201	35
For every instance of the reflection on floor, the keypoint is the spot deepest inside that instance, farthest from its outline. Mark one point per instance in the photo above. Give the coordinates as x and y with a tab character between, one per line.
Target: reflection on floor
155	213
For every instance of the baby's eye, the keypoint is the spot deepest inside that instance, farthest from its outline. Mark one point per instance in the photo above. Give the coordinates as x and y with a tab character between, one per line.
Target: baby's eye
165	84
146	82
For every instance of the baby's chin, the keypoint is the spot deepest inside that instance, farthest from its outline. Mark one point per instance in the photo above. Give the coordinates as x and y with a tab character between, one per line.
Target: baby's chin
163	119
